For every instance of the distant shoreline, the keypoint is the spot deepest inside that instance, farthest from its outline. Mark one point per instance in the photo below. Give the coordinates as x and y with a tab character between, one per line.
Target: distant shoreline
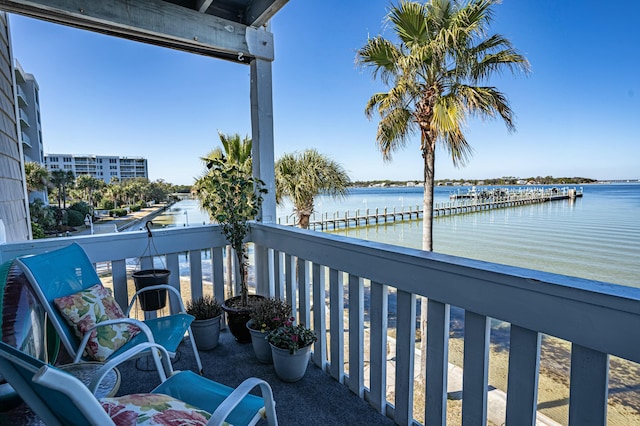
486	182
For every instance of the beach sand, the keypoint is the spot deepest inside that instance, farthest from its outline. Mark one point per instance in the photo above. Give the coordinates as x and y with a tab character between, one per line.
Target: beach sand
553	382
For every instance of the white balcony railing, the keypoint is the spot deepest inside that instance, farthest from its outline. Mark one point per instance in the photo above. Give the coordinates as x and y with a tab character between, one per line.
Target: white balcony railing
315	271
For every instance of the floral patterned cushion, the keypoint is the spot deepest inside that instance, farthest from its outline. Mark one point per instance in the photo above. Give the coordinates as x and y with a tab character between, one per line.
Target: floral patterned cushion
152	409
89	307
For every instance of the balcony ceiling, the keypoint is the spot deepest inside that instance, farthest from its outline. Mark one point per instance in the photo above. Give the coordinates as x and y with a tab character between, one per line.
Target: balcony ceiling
227	29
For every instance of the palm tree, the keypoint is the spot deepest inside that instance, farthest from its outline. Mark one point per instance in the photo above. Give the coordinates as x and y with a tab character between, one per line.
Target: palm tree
304	176
234	149
37	176
434	74
88	184
61	179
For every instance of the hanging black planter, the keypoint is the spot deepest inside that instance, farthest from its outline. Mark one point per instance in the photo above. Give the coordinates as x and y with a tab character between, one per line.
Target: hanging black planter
151	300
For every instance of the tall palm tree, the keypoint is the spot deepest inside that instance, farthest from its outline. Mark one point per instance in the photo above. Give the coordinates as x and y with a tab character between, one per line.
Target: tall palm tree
304	176
435	75
62	179
89	184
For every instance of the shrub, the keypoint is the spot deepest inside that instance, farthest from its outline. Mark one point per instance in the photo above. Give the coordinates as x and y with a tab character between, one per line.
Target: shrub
291	337
117	212
43	215
81	207
74	218
270	313
37	231
106	205
134	208
204	308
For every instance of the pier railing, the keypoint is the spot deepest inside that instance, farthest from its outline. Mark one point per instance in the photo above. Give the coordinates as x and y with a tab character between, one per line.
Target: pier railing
343	287
460	203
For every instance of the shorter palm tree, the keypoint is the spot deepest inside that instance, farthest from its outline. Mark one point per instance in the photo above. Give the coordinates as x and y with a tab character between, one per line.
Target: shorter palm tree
304	176
37	176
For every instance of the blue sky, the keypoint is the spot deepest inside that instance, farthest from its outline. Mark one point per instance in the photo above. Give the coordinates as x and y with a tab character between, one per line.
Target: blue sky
577	113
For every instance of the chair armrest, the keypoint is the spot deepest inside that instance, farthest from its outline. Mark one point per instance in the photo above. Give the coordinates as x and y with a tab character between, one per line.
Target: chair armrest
87	335
77	392
155	288
230	402
128	354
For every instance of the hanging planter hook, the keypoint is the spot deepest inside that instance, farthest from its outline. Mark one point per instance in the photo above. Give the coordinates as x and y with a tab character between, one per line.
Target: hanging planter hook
146	225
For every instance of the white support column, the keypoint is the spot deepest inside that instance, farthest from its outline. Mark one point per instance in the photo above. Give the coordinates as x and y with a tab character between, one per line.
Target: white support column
262	148
262	134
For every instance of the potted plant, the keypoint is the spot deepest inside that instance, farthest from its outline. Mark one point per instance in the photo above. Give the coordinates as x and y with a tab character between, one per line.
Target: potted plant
267	315
206	326
291	349
233	197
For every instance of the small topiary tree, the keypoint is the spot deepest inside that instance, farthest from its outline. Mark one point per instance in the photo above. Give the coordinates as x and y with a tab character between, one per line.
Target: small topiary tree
232	197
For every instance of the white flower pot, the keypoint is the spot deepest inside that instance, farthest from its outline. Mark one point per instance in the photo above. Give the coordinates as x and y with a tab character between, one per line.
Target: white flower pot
206	333
290	367
260	344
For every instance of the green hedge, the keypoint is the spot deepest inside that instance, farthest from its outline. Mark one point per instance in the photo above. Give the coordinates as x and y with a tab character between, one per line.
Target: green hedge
117	212
75	218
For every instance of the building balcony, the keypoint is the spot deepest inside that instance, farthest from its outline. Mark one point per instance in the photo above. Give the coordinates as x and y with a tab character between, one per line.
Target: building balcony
22	97
360	298
24	118
26	140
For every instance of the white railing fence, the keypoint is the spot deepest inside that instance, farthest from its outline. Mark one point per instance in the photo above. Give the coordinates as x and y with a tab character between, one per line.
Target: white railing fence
318	272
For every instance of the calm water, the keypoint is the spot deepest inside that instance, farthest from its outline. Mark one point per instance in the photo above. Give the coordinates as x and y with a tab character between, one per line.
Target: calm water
595	237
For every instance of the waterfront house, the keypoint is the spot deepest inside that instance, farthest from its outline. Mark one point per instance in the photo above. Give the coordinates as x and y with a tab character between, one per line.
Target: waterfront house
315	271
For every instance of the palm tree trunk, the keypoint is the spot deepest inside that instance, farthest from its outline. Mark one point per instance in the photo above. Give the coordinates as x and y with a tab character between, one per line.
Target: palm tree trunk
303	221
427	202
429	156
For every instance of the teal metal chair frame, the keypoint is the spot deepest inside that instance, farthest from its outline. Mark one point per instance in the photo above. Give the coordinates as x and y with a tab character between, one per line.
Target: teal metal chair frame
68	270
58	398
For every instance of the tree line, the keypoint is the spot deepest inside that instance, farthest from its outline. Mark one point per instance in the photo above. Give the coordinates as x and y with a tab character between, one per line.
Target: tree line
71	198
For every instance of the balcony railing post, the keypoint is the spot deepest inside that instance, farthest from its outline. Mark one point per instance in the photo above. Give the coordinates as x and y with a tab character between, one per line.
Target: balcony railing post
378	337
476	368
438	315
405	356
589	387
524	366
261	263
336	324
319	316
304	303
356	335
290	281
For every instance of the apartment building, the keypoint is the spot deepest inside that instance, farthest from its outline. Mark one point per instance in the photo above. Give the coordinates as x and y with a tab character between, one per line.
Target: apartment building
101	167
27	92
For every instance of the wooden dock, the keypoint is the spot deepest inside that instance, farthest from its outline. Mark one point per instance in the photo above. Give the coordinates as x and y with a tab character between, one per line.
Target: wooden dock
459	205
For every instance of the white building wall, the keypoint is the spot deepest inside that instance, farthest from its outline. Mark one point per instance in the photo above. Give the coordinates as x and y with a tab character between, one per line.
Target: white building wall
99	166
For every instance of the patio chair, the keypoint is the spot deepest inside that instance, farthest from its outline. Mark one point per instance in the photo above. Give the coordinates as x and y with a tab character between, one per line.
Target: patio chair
58	398
66	277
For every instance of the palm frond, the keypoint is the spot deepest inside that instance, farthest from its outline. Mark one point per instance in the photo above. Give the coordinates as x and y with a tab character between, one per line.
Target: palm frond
409	22
487	102
393	131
